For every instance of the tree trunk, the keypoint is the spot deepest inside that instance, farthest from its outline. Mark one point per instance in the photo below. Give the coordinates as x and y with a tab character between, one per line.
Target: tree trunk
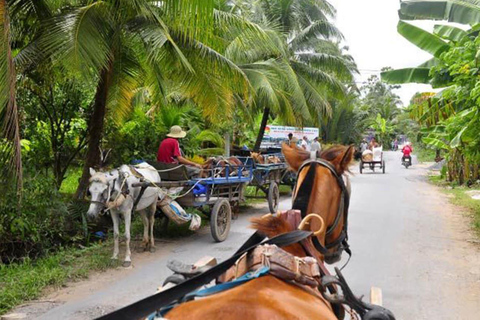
261	132
95	129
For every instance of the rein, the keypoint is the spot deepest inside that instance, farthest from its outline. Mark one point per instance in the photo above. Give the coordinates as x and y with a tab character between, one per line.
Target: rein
147	306
301	202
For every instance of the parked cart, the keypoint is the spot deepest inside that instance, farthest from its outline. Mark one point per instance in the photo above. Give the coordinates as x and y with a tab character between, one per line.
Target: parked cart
219	194
267	177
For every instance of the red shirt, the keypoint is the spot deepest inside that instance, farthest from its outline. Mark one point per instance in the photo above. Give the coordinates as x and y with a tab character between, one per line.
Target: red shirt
168	151
407	150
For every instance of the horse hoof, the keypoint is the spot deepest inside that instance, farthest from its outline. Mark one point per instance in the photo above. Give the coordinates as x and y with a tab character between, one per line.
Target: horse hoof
127	264
152	249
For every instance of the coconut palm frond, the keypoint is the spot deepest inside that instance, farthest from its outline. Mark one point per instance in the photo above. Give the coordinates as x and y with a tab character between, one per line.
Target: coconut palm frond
10	150
81	38
127	77
246	48
316	98
320	77
319	29
329	63
194	18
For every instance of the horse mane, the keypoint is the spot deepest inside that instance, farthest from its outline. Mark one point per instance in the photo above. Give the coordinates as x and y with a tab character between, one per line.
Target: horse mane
270	225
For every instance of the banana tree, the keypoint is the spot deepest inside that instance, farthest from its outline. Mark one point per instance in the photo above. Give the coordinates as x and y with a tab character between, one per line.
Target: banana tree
382	128
431	43
463	12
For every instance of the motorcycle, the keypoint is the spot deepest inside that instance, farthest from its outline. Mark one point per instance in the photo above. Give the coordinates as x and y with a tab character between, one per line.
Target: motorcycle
407	162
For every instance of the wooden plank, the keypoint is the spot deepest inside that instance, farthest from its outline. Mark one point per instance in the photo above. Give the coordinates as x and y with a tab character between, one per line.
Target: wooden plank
376	296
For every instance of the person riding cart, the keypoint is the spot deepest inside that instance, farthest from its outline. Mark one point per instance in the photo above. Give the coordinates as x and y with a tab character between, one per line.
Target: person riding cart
169	151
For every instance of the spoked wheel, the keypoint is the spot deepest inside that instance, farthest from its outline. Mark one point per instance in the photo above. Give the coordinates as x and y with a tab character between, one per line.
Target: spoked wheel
361	167
273	197
220	220
383	166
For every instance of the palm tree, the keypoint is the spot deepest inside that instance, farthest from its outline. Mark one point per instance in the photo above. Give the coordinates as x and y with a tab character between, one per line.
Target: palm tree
314	63
10	150
137	43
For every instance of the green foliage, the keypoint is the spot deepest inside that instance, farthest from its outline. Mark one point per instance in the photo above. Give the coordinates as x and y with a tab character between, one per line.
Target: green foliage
44	221
54	124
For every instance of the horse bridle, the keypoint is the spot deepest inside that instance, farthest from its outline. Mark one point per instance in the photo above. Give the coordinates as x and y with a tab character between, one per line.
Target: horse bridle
111	189
301	203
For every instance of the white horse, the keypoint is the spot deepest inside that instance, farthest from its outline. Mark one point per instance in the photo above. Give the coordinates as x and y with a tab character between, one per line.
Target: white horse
113	191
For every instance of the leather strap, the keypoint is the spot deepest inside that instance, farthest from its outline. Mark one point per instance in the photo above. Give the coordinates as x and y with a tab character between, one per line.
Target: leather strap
144	307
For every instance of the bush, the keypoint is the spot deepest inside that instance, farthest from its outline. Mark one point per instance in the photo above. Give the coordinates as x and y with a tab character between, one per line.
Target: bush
44	221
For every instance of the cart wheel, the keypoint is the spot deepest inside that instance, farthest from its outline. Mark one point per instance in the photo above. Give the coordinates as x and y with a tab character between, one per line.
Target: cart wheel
220	220
273	197
361	167
383	166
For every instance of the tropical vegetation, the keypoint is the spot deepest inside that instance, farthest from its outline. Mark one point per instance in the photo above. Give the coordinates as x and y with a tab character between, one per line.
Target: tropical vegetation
449	119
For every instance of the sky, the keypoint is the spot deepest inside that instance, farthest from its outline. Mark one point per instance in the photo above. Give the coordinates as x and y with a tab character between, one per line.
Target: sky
370	30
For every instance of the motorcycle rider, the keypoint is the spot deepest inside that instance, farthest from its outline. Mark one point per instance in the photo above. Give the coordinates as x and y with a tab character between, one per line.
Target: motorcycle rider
407	150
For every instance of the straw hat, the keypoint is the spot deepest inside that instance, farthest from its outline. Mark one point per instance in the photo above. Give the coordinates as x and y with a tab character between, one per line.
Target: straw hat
176	132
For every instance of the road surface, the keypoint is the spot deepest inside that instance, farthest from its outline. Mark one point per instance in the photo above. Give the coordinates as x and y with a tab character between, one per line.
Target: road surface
405	237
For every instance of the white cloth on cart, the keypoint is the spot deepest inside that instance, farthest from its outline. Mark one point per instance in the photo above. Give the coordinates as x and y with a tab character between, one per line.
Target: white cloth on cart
377	154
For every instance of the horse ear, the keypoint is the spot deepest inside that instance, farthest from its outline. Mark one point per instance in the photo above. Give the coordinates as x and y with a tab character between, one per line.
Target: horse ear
294	156
343	160
92	171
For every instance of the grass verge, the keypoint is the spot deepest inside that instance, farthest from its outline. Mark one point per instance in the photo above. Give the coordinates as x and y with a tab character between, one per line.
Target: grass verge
460	198
21	282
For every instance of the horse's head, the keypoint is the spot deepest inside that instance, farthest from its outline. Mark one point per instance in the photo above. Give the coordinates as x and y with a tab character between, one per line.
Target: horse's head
100	190
321	189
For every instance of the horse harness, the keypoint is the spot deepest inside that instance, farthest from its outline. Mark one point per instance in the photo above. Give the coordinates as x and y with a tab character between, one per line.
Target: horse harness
301	203
259	256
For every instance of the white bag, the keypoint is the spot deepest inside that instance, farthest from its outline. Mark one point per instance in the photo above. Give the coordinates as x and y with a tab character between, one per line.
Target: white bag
196	222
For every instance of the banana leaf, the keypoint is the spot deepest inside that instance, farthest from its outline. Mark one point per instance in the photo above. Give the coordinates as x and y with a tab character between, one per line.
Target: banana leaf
406	75
449	32
464	12
437	143
422	39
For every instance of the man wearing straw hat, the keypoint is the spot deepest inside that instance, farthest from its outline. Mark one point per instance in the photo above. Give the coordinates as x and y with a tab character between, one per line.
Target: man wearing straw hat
169	151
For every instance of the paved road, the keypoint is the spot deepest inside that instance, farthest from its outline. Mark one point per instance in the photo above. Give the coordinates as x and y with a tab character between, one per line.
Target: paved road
405	238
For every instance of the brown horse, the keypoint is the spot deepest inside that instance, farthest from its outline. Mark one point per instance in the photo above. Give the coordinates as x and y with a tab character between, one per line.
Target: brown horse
269	297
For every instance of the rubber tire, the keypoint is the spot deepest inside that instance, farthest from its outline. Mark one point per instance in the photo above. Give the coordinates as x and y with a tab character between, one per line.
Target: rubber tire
383	166
273	197
361	167
217	234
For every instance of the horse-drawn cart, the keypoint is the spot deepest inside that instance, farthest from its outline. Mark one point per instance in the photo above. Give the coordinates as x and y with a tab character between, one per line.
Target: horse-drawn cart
372	159
267	177
215	196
